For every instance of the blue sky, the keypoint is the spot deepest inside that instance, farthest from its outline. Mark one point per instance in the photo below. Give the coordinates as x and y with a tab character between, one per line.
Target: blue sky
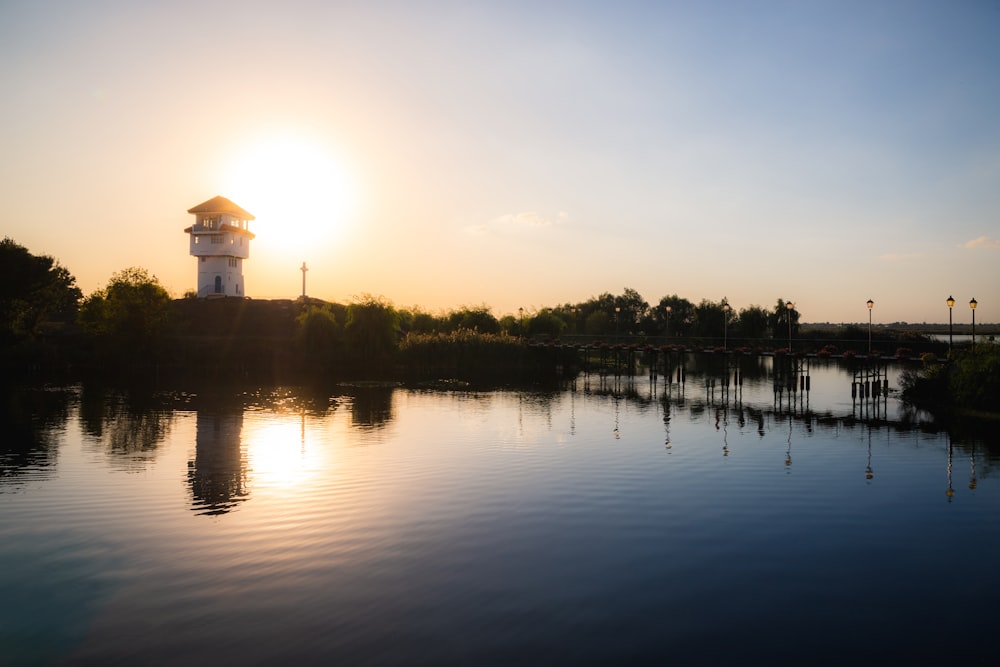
520	154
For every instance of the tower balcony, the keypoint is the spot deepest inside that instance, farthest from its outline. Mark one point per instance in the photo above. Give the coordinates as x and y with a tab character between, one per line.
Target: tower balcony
215	243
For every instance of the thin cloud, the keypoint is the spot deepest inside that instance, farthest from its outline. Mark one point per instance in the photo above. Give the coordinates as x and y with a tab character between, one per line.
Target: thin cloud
478	230
900	256
525	220
531	219
983	242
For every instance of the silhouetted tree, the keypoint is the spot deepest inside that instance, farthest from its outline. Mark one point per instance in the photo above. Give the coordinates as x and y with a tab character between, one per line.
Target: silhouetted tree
678	320
709	319
33	289
598	323
754	322
633	309
780	319
474	319
418	321
371	331
545	323
317	338
129	316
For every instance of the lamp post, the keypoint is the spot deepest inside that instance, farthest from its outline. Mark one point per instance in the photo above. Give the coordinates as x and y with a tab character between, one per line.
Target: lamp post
870	304
725	327
951	304
972	305
618	310
669	309
520	326
790	307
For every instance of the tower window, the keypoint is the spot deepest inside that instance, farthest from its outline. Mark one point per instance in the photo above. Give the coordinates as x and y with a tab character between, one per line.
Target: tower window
202	259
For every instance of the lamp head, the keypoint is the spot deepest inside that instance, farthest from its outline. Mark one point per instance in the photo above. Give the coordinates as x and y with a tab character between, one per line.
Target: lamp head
870	304
973	303
951	301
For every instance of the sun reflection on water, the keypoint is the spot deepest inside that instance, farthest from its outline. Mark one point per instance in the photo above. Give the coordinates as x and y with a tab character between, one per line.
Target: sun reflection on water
282	451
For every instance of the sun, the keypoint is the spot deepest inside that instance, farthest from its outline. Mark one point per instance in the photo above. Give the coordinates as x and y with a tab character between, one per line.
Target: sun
301	194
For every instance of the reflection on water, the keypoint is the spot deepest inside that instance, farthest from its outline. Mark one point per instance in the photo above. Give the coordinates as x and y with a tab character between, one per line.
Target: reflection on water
619	519
128	427
218	473
33	420
371	405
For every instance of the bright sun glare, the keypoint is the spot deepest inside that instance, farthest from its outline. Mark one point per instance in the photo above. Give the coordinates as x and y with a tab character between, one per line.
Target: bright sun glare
301	195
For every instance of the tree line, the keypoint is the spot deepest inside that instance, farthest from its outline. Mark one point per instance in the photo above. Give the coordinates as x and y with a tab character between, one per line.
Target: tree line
129	320
37	291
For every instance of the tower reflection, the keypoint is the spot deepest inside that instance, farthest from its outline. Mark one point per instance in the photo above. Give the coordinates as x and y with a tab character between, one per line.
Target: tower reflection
218	474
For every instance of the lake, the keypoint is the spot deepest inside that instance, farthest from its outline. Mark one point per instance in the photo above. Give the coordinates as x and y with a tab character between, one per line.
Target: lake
611	520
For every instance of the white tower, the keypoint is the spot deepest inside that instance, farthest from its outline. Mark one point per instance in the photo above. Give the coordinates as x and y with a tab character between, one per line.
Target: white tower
220	239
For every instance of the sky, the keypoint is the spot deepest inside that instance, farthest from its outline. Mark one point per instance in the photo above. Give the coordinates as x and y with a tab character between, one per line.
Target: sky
519	154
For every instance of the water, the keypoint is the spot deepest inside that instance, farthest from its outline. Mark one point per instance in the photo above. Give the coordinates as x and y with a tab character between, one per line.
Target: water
613	521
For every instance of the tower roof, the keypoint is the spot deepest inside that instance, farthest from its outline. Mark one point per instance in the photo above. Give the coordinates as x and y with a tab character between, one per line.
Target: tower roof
221	205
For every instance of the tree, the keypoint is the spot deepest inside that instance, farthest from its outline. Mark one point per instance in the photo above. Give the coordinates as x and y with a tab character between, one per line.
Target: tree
677	320
709	319
545	323
474	319
33	289
131	313
371	330
598	323
754	322
633	309
780	319
316	337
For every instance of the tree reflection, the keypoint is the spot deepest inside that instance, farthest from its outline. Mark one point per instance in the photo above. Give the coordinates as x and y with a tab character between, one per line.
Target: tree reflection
32	418
129	426
218	474
371	406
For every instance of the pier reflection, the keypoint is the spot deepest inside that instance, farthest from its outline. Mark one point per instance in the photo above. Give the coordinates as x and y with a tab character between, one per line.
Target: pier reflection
778	397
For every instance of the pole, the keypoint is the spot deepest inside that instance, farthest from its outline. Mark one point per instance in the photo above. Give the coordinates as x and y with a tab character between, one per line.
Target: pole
725	328
950	332
303	270
870	304
972	305
789	331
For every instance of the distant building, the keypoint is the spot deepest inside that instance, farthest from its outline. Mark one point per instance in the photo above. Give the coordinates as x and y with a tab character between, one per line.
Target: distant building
220	239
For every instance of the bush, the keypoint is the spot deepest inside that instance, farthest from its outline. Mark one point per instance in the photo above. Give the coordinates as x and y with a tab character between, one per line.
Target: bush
972	382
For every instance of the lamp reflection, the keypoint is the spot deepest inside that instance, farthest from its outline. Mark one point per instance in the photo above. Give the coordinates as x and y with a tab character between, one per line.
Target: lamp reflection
869	473
788	452
950	493
972	469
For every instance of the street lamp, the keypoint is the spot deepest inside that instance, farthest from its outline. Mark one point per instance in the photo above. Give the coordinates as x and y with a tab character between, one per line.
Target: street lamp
972	305
669	309
870	304
618	309
520	313
790	307
951	304
725	326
